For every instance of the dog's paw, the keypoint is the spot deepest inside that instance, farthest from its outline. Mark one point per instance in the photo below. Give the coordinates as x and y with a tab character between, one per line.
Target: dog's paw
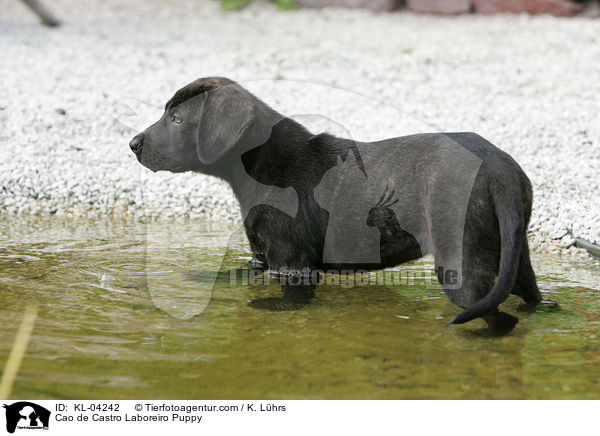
277	304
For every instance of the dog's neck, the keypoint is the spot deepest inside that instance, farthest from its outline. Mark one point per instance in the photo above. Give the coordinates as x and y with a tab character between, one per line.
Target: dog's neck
268	163
286	168
260	175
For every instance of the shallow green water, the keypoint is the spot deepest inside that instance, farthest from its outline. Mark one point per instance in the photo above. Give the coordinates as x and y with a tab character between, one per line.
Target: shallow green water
125	311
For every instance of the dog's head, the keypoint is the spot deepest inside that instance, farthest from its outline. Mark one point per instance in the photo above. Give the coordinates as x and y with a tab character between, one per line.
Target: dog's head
205	124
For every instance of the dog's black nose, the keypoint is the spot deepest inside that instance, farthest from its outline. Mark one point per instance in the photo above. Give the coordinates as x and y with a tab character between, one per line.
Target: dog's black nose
136	143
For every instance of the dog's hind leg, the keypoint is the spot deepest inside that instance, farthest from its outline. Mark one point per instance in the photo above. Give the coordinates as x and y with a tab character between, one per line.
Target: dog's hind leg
526	286
500	323
478	276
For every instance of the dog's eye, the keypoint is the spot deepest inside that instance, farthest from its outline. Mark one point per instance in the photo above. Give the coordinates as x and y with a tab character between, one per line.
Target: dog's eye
176	120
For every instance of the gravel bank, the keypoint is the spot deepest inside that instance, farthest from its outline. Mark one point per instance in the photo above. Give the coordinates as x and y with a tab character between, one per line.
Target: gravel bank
528	84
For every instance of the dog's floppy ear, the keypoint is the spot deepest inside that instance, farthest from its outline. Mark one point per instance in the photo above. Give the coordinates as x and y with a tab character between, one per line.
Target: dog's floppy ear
228	116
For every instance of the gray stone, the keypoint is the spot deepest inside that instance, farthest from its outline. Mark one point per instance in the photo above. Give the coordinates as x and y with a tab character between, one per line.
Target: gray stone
439	6
376	75
374	5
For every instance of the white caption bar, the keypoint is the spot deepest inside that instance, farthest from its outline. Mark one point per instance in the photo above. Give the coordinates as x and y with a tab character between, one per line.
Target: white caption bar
446	418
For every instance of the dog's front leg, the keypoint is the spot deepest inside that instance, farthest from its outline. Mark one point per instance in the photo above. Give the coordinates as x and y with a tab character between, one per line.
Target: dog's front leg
259	262
298	285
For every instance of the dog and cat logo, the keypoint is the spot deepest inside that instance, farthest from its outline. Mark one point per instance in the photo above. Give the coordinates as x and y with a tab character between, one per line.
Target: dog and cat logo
26	415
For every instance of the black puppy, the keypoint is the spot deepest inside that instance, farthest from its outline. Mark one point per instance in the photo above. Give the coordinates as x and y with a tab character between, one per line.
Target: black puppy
309	202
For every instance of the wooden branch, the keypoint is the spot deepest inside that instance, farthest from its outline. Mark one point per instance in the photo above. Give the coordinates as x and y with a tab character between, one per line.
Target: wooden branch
47	18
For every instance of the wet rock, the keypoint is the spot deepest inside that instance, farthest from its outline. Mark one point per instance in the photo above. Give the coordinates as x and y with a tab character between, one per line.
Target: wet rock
439	6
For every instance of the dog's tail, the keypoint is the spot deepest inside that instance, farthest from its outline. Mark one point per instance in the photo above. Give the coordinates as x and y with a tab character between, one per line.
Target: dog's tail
508	206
